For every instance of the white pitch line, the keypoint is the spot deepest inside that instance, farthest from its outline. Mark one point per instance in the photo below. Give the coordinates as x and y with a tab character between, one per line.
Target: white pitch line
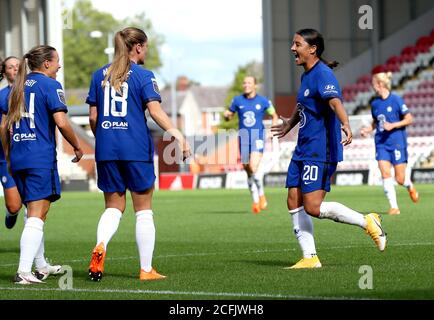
198	254
186	293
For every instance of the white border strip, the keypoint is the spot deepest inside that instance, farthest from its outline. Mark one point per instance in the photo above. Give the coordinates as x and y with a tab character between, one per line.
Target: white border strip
187	293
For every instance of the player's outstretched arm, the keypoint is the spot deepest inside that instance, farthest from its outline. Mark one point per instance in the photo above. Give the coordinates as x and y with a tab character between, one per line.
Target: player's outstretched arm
367	130
228	115
279	130
67	132
161	118
338	108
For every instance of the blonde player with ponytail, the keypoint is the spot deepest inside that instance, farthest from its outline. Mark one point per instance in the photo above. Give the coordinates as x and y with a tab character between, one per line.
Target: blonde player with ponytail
390	117
119	94
36	106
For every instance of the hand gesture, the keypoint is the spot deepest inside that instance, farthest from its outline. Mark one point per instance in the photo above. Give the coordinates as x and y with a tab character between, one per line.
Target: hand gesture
281	129
348	135
78	155
186	150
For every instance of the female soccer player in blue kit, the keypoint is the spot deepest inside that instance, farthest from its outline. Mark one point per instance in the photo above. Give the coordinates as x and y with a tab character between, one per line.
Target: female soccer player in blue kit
390	117
251	109
119	94
36	107
320	115
9	69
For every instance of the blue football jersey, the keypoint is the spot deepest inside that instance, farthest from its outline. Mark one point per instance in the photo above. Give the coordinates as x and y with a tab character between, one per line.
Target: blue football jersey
4	97
122	132
391	109
33	142
250	113
319	136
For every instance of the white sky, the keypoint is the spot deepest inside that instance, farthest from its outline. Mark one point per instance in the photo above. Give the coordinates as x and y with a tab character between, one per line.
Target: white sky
205	40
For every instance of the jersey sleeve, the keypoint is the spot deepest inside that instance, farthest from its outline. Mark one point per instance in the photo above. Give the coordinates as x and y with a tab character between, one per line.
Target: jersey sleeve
150	91
56	98
402	107
4	102
269	107
91	96
328	86
234	105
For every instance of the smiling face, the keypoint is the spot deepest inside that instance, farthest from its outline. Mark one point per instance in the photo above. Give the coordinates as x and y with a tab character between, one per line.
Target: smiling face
11	69
304	53
249	86
50	67
376	85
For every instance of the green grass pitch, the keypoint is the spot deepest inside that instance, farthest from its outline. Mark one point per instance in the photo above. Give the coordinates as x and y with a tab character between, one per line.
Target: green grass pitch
211	247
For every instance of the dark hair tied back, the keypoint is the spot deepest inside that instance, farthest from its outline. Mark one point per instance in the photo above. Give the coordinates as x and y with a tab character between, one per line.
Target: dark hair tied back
314	38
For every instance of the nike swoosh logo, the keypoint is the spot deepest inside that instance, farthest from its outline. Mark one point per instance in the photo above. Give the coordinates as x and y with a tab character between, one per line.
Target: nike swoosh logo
382	231
306	183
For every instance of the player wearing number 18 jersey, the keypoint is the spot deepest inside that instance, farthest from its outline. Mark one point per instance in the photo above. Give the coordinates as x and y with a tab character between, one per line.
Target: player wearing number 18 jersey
319	113
119	94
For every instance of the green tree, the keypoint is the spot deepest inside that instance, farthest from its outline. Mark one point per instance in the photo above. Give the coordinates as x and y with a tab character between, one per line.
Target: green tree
252	68
155	40
83	54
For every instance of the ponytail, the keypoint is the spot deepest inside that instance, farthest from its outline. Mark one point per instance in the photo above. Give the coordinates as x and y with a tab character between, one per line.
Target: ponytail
118	71
34	59
16	98
125	40
331	64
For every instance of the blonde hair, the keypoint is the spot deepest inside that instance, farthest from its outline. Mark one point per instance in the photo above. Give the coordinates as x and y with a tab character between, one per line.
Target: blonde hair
384	78
34	59
125	40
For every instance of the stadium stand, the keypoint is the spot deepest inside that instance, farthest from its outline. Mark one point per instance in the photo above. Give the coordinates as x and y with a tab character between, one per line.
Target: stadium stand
415	63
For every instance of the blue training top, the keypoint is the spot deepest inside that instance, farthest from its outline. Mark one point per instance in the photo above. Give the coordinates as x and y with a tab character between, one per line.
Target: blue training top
319	136
391	109
250	113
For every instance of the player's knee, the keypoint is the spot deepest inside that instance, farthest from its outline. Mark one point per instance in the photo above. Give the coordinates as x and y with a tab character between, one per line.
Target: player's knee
312	210
13	208
400	180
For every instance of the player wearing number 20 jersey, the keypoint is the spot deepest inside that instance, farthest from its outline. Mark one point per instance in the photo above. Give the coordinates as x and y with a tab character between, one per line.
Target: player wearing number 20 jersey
318	147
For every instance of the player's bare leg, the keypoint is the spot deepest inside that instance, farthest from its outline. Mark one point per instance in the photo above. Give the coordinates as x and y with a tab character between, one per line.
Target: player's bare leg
404	180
